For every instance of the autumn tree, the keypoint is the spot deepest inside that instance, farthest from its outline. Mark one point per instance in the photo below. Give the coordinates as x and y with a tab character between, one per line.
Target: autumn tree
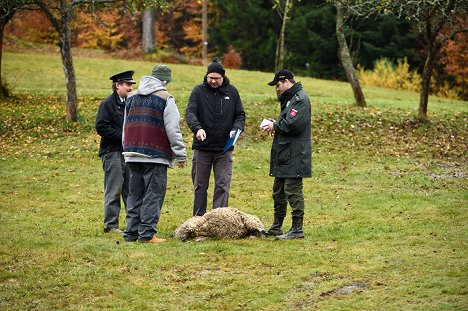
345	55
61	13
431	16
8	8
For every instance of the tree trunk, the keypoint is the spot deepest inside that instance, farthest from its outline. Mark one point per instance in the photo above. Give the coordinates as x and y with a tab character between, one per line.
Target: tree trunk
345	57
69	70
148	31
6	15
280	48
205	32
2	28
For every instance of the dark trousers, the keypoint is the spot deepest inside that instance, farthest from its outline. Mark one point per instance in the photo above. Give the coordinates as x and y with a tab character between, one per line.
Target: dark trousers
116	177
203	162
288	190
148	182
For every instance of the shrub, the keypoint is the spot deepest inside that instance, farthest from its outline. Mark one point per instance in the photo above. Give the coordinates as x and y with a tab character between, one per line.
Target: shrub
387	74
232	59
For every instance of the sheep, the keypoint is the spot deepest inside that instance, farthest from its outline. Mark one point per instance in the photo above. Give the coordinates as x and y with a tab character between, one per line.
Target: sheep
224	223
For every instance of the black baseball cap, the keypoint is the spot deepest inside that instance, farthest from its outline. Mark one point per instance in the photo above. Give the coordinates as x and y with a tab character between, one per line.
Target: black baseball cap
281	75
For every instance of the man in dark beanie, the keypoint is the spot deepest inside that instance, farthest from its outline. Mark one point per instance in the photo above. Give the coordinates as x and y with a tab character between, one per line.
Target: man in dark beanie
214	114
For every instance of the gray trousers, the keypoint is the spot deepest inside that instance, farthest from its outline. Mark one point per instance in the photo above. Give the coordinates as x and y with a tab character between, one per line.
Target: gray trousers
148	182
202	163
116	177
288	190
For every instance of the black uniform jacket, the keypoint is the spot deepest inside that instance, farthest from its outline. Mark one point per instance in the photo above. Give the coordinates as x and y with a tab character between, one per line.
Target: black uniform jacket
109	124
291	152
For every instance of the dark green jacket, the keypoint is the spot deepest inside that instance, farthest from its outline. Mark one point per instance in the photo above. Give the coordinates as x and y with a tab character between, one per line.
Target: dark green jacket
291	152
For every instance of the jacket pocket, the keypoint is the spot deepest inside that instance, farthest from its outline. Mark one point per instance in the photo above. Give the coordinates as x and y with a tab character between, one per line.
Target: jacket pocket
284	154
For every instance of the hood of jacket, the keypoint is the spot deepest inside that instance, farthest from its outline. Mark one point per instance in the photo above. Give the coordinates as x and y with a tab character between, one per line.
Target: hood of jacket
149	85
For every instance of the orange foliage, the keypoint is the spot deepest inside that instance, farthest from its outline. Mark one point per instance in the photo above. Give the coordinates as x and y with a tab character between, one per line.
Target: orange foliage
31	26
453	61
178	31
232	59
106	29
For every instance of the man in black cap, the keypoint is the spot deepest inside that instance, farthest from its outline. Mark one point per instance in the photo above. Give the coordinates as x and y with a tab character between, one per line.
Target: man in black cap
291	153
214	114
109	125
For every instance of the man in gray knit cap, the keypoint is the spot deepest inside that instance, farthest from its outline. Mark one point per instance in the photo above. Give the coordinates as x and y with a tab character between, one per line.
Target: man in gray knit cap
152	142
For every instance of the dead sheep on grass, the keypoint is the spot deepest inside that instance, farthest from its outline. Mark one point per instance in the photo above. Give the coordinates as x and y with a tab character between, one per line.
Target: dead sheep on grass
222	223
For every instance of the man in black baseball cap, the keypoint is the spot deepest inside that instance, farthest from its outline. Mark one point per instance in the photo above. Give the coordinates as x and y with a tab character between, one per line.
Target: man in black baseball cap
291	154
281	75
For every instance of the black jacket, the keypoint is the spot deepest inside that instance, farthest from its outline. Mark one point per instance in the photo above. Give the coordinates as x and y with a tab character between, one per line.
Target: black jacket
217	111
291	152
109	124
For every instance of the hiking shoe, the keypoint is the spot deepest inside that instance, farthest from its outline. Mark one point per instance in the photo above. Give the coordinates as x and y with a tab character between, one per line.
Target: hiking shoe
154	239
115	230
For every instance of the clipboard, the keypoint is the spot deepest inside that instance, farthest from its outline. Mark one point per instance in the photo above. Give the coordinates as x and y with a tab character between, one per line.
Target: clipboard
232	140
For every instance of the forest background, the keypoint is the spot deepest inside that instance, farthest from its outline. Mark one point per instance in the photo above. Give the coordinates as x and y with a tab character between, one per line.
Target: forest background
244	34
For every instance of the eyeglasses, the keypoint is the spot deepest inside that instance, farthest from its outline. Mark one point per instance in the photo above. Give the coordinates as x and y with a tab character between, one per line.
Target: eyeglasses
214	78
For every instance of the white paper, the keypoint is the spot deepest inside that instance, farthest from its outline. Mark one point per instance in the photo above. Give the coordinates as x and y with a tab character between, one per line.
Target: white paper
264	123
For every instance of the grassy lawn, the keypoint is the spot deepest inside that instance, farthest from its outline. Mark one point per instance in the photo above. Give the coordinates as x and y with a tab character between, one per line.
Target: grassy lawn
386	209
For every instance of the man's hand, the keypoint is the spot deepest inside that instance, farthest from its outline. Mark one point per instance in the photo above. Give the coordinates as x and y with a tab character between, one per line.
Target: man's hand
270	127
181	164
201	135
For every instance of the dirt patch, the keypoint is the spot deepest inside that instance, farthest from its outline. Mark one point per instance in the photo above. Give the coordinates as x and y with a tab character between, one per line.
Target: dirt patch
449	170
348	289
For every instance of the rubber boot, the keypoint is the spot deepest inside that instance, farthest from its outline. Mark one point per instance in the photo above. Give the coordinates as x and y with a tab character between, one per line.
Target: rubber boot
295	232
275	228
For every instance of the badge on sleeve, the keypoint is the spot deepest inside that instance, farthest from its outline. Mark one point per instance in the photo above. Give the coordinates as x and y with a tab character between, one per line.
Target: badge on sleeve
293	112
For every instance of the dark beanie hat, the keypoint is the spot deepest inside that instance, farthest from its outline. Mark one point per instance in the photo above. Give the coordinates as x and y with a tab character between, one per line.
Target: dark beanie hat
216	66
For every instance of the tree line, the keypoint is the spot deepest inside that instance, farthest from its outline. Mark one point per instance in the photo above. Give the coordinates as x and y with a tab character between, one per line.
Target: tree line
319	38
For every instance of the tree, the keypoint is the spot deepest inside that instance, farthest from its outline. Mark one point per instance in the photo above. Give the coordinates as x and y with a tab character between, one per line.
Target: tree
345	56
282	7
149	8
430	16
8	8
205	32
148	30
254	36
61	13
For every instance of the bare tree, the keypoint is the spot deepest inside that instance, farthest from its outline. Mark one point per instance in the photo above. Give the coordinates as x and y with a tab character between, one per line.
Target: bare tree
430	17
282	7
205	32
148	31
345	55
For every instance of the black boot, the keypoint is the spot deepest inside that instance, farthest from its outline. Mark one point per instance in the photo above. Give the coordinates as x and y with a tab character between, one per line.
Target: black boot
275	228
295	232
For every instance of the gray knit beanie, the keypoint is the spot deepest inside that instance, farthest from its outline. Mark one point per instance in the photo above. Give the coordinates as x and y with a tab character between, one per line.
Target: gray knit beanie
162	73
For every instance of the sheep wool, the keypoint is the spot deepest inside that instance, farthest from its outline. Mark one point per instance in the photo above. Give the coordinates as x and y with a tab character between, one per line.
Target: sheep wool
223	223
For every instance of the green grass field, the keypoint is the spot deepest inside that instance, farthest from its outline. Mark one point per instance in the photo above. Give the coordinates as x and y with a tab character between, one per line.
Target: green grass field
386	209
